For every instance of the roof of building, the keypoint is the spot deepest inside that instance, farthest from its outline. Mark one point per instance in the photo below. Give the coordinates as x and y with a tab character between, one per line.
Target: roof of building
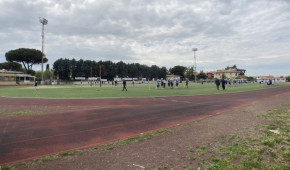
24	75
10	72
265	77
223	71
227	71
14	73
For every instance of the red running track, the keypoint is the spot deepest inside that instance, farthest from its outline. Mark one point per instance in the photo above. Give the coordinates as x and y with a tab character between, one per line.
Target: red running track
28	137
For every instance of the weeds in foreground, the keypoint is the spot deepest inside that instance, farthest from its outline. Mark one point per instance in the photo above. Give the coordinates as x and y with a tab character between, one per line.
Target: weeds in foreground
162	167
4	112
261	147
267	151
43	159
134	139
190	149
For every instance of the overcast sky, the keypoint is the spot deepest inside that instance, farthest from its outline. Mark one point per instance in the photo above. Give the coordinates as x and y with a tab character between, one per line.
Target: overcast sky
254	35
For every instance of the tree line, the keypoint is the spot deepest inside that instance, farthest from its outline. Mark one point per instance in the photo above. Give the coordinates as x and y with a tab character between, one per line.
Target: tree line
67	69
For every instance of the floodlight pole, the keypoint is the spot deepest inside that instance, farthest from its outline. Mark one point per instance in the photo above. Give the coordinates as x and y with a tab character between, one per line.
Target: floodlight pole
43	21
194	51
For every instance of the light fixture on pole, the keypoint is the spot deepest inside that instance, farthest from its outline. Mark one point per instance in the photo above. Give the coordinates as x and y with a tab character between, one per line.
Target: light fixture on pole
194	51
43	21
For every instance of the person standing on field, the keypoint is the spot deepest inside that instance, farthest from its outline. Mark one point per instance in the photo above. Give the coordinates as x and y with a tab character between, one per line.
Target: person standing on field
171	83
158	84
124	85
35	85
224	84
217	83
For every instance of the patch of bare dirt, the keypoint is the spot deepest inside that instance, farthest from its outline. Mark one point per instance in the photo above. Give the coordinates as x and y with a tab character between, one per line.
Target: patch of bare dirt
168	150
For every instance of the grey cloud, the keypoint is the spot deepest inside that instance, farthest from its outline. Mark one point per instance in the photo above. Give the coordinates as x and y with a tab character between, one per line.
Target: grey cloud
149	31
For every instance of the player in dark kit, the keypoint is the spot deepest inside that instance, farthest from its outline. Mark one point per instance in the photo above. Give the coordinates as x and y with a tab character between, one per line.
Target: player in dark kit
217	83
124	85
35	85
224	84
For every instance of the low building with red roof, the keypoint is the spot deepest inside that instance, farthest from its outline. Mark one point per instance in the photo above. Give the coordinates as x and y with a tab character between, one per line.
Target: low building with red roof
224	74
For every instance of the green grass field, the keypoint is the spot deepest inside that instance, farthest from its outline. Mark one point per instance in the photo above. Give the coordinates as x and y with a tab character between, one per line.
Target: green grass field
139	90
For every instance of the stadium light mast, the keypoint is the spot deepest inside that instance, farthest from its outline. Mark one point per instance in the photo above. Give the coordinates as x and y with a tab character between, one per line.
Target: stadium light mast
194	51
43	21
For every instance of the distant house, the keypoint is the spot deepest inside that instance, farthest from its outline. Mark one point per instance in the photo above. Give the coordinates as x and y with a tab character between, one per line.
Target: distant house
210	74
226	74
15	78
